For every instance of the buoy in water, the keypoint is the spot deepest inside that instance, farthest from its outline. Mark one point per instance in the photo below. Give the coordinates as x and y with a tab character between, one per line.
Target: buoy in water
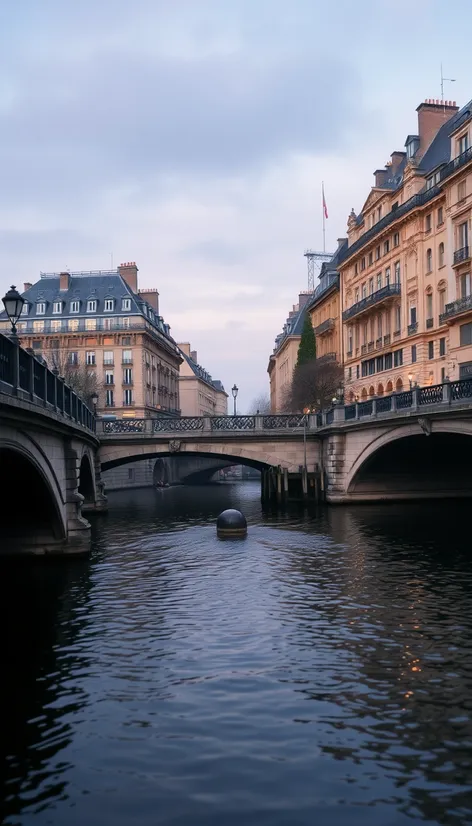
231	523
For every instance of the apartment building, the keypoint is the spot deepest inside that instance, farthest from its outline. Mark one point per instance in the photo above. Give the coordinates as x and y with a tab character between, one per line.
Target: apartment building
406	270
100	323
284	356
324	309
200	395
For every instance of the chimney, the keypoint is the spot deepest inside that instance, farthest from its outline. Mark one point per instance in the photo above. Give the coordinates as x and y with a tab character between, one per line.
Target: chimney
341	241
64	278
381	176
396	160
27	286
185	347
432	114
193	356
303	299
152	298
129	273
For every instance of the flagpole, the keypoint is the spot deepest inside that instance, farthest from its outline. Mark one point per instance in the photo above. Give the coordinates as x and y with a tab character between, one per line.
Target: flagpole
324	212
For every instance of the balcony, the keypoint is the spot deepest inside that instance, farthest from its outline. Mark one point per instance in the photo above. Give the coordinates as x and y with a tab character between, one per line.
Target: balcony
412	329
378	343
386	293
326	358
127	361
462	305
386	339
429	323
370	346
325	327
461	255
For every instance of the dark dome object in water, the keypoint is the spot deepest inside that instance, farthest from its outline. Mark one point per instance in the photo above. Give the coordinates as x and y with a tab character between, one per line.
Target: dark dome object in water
231	523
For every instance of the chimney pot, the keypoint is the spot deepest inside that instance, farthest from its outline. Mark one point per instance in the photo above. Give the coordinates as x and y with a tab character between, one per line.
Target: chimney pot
27	286
64	278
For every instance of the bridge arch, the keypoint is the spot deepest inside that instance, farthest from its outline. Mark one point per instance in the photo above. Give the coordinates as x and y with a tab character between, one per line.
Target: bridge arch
407	462
86	486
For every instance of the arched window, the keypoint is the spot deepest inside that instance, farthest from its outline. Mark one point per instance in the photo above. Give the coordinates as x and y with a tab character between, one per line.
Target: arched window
429	260
380	390
364	393
399	384
441	255
442	296
371	390
389	387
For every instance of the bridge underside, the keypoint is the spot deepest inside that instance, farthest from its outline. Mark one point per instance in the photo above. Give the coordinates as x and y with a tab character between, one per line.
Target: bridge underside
436	466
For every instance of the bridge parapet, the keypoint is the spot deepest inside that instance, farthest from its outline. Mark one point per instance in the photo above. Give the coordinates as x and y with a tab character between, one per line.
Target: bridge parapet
205	425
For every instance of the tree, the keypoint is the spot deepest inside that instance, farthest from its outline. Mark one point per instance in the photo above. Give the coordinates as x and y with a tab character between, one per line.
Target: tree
313	386
307	346
80	377
261	404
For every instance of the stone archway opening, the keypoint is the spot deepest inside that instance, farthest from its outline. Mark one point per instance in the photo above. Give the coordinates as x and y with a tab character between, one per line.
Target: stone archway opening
29	515
371	390
416	466
389	387
86	486
380	390
398	385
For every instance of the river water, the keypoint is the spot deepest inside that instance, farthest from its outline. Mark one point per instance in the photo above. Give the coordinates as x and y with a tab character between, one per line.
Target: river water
317	672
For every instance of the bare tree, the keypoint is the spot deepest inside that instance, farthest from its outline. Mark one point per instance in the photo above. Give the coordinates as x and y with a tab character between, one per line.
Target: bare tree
261	404
313	386
82	378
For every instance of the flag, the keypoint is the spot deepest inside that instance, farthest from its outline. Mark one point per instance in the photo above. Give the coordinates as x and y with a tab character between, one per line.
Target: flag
325	208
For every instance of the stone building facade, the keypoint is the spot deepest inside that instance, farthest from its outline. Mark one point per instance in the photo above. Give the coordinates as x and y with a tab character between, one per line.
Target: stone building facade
200	394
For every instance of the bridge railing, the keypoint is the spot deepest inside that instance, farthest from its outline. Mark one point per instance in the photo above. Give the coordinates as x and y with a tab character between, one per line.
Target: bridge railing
418	398
24	376
208	424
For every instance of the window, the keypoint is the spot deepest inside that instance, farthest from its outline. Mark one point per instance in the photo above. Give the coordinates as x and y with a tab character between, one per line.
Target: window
38	326
430	349
387	277
126	304
109	305
394	206
379	281
106	323
363	264
365	330
73	359
377	253
127	398
75	306
25	308
356	268
413	354
442	301
398	358
397	272
412	315
125	322
386	246
427	224
379	212
56	325
127	357
91	305
349	373
90	357
461	191
443	374
429	306
398	322
429	260
36	345
108	357
440	216
40	308
349	340
128	375
466	334
57	307
379	364
109	377
396	239
464	285
364	290
357	372
90	323
356	297
126	341
371	258
109	399
371	286
463	143
463	235
73	325
441	255
442	346
388	361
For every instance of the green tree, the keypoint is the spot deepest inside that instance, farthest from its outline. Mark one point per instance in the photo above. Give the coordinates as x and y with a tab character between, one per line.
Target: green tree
307	346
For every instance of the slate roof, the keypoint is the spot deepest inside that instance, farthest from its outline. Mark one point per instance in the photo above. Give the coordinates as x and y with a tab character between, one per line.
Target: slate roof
439	152
203	374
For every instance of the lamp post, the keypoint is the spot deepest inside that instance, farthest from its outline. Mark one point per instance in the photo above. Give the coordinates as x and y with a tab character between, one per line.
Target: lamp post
234	392
94	400
410	379
13	303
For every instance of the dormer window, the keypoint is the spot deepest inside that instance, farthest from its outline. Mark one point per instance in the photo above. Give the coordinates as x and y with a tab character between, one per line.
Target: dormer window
126	304
109	305
412	143
40	308
57	308
92	305
25	308
75	306
463	143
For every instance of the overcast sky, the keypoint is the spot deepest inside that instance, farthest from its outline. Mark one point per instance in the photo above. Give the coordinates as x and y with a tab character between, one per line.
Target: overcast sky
192	137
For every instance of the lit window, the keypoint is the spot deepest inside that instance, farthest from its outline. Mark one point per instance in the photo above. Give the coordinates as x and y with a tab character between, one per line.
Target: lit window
126	304
73	324
75	306
38	326
40	308
57	308
125	322
90	323
107	323
56	326
91	305
90	357
109	305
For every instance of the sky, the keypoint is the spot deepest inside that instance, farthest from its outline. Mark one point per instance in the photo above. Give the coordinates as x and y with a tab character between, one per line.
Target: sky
192	136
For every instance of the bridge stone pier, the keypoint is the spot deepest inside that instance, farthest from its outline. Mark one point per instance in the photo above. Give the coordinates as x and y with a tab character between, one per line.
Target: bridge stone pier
48	458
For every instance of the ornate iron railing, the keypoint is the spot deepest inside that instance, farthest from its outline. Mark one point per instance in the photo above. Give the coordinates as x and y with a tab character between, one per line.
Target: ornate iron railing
324	327
430	395
384	404
187	423
233	422
274	422
461	254
461	389
429	323
365	408
350	412
412	328
404	399
461	305
371	300
124	426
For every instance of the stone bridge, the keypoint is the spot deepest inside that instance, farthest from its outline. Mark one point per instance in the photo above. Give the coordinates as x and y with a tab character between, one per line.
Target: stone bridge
48	458
403	446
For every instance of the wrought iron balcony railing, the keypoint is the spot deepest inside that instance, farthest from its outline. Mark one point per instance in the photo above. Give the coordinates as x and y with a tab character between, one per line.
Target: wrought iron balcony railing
429	323
389	291
462	305
412	328
461	255
325	327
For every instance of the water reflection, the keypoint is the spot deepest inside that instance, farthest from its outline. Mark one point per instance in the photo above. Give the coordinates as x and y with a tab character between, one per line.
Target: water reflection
319	671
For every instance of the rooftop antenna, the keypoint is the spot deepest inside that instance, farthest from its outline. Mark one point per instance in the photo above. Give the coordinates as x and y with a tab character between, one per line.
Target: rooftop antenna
448	80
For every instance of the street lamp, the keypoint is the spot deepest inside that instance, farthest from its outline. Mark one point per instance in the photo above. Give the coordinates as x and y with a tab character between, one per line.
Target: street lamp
410	379
234	391
94	400
13	303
